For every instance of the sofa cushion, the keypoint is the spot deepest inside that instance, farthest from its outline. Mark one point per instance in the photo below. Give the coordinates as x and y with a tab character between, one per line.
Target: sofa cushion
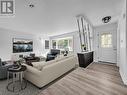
49	62
70	54
59	58
39	65
62	57
32	70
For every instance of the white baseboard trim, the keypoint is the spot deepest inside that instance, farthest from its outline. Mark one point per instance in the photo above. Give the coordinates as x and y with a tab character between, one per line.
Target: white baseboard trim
123	76
95	60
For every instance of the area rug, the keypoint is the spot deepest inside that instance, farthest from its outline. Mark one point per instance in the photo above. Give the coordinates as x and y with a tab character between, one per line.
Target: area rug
30	89
96	79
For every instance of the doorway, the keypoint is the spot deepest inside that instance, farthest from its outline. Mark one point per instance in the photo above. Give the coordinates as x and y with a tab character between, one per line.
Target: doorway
107	47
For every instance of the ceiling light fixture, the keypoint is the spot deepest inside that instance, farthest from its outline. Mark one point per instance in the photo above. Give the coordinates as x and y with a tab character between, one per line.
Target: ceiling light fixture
31	5
106	19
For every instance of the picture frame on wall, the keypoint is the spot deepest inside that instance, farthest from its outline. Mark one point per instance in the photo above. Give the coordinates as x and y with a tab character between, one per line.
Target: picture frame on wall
46	44
22	45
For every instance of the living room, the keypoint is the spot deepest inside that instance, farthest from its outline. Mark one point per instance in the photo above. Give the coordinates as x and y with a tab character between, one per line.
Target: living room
49	49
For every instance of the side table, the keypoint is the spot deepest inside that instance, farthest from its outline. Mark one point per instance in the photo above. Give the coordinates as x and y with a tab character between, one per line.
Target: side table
18	83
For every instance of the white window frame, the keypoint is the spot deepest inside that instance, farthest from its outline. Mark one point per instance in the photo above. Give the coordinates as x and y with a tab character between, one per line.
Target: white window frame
62	38
106	45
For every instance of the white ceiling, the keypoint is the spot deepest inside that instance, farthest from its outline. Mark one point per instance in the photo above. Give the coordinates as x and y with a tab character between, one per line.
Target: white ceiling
51	17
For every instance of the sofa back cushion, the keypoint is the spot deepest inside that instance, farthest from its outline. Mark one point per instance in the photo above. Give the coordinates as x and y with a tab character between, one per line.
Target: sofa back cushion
40	65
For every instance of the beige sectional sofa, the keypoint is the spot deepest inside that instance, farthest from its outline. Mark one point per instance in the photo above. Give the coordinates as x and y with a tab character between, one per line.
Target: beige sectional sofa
43	73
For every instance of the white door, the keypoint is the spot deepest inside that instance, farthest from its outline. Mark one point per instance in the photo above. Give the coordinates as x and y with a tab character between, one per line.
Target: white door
108	46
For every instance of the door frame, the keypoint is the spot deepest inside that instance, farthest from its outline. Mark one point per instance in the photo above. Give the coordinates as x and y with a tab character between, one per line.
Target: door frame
98	45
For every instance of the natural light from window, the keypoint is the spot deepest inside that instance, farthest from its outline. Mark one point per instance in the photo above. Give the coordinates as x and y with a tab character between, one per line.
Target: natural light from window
63	43
106	40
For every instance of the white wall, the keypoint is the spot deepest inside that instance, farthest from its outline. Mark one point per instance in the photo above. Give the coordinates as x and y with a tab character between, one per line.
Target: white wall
123	44
76	40
39	45
107	27
6	43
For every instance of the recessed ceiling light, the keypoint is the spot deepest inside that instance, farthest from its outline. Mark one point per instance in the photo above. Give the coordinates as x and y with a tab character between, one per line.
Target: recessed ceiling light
106	19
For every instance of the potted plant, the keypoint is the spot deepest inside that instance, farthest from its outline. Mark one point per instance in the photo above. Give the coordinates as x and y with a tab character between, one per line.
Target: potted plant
84	47
19	62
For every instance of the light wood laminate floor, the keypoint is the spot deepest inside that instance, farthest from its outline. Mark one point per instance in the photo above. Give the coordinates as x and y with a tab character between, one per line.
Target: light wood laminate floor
96	79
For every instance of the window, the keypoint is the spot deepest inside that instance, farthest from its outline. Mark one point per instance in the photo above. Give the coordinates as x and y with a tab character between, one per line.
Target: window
63	44
46	44
106	40
54	44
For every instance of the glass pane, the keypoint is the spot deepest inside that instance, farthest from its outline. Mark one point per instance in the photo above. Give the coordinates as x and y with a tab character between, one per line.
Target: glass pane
106	40
53	44
63	44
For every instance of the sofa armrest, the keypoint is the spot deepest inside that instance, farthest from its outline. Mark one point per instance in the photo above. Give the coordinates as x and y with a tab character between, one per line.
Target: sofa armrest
32	70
